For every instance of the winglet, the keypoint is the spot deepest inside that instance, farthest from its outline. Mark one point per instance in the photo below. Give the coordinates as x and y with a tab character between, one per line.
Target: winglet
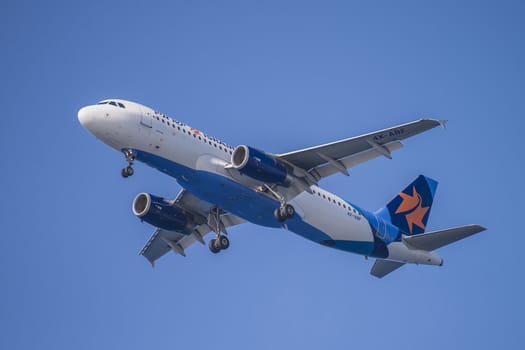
443	123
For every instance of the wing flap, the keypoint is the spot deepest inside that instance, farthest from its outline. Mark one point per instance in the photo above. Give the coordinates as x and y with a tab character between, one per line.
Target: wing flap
437	239
326	170
156	247
382	268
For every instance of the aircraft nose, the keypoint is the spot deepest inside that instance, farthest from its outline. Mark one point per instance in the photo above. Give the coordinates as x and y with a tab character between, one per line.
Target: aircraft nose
86	116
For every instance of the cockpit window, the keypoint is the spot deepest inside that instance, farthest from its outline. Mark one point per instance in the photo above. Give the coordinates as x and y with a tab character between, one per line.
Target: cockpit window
113	103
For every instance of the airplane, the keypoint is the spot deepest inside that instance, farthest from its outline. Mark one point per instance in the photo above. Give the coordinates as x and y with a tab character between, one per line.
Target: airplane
224	186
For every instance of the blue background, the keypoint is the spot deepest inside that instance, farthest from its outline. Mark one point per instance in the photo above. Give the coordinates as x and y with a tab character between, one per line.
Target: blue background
278	76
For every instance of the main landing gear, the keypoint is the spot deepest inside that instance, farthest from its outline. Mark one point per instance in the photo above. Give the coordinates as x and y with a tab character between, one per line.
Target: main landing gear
285	211
130	157
220	242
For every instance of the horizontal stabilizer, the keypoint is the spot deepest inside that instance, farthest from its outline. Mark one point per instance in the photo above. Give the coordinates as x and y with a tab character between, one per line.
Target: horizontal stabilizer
382	268
437	239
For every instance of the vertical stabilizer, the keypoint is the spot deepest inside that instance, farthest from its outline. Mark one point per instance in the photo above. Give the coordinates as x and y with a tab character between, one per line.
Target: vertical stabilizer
410	209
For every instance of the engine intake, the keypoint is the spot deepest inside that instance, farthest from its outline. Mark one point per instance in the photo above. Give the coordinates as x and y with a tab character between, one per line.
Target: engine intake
259	165
161	212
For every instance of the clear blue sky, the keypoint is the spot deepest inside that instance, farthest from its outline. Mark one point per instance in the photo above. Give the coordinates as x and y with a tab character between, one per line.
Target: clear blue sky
278	76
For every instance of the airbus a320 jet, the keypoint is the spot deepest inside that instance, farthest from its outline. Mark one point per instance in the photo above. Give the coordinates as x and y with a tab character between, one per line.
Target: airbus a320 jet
223	186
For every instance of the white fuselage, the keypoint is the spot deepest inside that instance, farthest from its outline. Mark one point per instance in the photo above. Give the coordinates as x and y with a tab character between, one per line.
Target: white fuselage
200	162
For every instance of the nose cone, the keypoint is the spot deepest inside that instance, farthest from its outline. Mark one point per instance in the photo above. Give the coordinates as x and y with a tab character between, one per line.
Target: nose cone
86	117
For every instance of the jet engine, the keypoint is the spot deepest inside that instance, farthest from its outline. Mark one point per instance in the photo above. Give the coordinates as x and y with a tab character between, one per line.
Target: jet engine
161	212
260	166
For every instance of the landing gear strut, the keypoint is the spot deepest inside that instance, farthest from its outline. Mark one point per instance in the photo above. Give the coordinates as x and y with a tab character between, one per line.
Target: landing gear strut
285	211
220	242
130	157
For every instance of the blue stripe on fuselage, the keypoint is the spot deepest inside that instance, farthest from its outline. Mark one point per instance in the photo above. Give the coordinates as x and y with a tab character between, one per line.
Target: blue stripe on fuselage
244	202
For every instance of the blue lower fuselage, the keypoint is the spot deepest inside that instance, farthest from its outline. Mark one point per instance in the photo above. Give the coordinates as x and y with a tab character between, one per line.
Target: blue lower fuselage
254	206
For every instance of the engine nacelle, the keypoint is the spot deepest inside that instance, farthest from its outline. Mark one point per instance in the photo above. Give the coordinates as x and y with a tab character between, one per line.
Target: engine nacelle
259	166
161	212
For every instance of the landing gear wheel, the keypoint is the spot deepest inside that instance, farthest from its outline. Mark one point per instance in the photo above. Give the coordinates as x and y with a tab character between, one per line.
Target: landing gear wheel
224	242
289	211
130	157
214	246
278	216
127	171
285	212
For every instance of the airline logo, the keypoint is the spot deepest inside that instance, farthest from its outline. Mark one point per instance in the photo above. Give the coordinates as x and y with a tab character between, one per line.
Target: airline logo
411	207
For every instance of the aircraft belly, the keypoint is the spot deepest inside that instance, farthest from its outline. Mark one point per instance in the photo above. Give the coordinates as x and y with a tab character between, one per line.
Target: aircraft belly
316	219
334	220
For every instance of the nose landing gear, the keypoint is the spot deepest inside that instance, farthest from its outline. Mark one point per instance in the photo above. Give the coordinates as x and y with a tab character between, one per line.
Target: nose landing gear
130	157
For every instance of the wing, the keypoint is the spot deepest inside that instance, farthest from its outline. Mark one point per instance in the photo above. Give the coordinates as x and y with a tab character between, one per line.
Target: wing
324	160
162	241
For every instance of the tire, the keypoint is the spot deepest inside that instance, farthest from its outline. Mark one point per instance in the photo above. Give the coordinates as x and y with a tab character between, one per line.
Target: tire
214	246
129	171
277	215
289	211
123	172
224	242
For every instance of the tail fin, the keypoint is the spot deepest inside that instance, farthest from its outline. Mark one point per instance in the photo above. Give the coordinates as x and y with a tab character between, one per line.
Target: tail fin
410	209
